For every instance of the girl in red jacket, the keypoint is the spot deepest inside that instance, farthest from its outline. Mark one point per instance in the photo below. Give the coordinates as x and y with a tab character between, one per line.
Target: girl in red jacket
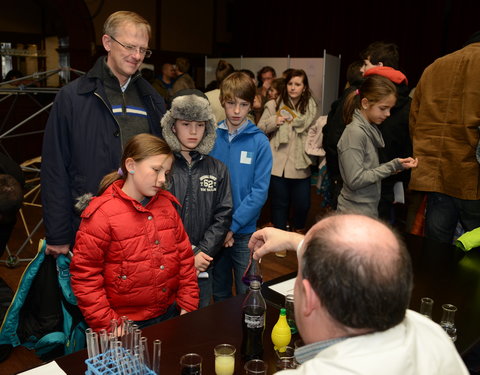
132	256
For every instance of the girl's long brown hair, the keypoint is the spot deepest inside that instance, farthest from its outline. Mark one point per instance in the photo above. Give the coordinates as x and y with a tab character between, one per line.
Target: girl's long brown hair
304	98
374	88
138	148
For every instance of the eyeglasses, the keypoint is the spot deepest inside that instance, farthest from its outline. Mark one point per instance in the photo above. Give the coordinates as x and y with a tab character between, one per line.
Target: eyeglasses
133	49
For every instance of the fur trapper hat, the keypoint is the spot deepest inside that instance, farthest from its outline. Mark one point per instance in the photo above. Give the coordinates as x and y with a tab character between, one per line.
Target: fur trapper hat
190	105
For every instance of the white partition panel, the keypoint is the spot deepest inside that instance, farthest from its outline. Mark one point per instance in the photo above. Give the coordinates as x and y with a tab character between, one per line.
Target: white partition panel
314	69
323	73
330	81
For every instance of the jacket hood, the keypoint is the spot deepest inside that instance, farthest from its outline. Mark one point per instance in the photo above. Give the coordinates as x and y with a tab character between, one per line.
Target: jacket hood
393	75
191	107
82	202
371	130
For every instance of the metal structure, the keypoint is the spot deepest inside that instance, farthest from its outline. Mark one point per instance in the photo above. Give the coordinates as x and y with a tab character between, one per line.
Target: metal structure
31	167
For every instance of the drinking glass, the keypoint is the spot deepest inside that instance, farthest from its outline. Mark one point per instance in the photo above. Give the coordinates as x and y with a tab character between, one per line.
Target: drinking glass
224	359
298	343
255	367
286	360
426	307
448	320
290	307
191	364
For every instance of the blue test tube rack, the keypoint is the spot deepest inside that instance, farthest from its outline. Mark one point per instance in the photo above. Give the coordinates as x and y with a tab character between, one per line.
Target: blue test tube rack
116	362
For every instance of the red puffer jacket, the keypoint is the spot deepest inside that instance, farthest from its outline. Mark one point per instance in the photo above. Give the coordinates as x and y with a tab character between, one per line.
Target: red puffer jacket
132	260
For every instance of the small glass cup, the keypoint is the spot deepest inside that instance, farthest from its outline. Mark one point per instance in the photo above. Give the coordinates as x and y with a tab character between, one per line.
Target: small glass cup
290	308
255	367
448	320
286	360
426	307
224	359
298	343
191	364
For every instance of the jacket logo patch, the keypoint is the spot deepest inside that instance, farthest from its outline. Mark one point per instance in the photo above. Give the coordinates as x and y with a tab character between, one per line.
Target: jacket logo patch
208	183
246	157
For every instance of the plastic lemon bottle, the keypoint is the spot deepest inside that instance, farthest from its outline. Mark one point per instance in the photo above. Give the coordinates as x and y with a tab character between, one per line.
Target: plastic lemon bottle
281	334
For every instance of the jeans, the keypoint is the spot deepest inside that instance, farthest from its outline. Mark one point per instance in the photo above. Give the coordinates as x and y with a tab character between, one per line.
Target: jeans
443	213
285	191
234	258
206	288
171	312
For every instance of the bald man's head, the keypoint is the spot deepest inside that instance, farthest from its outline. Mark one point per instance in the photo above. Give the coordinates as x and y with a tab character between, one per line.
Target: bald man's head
359	269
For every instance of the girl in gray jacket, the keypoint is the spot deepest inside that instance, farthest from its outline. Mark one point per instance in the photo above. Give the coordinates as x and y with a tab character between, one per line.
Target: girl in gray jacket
364	110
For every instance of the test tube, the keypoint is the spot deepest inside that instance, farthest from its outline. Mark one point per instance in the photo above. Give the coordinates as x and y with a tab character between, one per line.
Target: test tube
138	368
137	334
144	351
88	339
94	351
111	342
124	329
157	351
119	357
114	327
103	340
132	327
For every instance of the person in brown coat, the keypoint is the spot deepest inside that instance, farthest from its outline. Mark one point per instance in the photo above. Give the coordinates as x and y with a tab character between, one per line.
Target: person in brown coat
444	126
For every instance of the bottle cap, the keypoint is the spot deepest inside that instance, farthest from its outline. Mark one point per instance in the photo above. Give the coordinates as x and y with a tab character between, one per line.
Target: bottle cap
254	284
283	311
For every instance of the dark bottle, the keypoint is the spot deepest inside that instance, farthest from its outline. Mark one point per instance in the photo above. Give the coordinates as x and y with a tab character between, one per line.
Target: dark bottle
253	322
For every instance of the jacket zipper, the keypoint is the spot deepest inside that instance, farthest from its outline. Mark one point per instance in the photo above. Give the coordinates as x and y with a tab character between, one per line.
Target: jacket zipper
114	119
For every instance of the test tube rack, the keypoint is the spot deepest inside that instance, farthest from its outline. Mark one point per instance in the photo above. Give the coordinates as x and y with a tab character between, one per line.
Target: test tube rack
116	362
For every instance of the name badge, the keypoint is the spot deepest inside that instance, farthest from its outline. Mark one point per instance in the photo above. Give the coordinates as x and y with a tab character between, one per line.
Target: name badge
246	157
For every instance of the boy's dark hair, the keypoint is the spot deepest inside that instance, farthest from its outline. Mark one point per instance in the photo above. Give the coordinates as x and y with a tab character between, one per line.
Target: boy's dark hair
11	198
224	69
13	74
354	75
381	52
183	64
237	85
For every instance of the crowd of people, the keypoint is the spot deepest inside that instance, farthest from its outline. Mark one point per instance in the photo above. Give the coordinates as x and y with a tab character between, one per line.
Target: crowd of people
157	187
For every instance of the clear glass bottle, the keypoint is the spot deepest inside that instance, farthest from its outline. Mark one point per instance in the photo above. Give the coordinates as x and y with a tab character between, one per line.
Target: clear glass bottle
448	320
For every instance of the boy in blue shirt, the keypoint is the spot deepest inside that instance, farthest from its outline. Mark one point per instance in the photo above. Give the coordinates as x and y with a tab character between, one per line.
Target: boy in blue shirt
245	150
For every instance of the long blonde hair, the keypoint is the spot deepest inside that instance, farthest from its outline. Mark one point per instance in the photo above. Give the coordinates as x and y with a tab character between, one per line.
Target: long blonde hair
137	148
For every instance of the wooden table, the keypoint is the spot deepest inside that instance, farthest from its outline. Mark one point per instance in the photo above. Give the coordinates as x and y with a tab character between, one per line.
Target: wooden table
196	332
441	272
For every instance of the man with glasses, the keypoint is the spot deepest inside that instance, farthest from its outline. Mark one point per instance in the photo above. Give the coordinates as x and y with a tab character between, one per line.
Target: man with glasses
91	120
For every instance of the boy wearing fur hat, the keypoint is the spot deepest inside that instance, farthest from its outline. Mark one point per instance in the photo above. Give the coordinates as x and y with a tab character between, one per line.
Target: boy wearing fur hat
200	182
